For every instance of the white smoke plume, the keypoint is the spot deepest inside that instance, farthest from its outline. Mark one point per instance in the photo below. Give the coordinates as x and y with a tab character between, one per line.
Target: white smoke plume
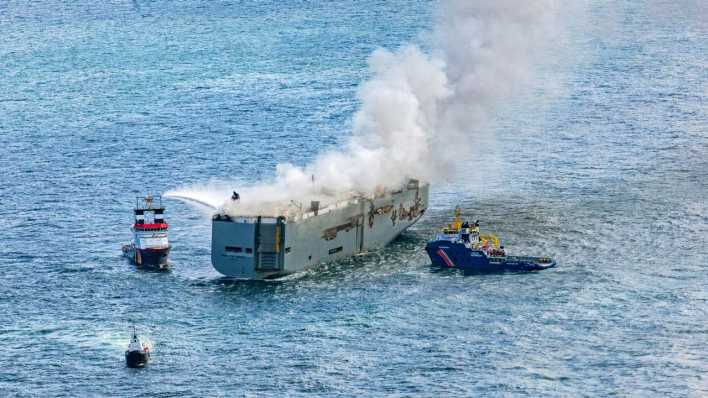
421	109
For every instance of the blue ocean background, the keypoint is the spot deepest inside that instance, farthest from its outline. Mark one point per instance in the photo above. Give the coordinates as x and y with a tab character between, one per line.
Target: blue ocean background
602	165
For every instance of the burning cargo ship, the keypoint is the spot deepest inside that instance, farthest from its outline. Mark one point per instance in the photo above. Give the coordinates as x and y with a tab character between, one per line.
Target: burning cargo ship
294	238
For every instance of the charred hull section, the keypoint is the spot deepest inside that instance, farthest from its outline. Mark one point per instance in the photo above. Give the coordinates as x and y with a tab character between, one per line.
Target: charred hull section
262	247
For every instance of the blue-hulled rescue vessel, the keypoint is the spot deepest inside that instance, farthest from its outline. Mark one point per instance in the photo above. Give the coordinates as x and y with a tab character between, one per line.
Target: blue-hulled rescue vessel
461	245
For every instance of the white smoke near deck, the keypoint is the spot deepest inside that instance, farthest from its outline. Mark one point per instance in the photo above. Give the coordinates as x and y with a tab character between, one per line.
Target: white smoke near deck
419	110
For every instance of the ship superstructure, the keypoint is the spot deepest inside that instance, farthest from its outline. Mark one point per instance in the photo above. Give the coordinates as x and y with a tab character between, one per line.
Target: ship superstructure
272	245
150	246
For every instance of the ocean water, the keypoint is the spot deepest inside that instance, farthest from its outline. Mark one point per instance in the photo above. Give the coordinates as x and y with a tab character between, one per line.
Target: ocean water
604	166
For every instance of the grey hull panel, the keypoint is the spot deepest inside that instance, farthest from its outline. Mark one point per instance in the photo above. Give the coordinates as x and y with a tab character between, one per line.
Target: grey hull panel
261	249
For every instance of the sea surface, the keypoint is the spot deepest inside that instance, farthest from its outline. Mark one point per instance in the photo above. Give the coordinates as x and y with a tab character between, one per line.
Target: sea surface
603	165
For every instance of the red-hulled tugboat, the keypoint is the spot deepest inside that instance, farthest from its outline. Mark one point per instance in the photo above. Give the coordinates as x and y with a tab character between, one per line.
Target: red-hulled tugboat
150	246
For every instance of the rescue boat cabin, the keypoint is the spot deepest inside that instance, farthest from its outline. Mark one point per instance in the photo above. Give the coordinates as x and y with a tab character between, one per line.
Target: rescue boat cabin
470	235
150	227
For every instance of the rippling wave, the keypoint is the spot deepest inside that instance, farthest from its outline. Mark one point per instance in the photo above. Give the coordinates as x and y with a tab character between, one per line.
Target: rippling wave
603	167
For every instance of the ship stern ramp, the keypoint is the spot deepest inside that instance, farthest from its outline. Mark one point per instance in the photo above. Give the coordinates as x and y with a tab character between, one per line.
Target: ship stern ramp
248	247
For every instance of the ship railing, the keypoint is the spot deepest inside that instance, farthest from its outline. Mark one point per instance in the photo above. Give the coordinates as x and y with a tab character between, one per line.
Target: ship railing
246	218
294	212
151	227
325	209
447	236
148	202
530	259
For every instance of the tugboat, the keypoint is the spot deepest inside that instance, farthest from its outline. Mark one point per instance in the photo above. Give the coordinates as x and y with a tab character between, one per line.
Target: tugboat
461	245
150	246
138	354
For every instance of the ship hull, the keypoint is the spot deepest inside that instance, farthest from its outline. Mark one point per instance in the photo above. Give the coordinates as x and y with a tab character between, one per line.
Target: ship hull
448	254
148	258
263	248
136	359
